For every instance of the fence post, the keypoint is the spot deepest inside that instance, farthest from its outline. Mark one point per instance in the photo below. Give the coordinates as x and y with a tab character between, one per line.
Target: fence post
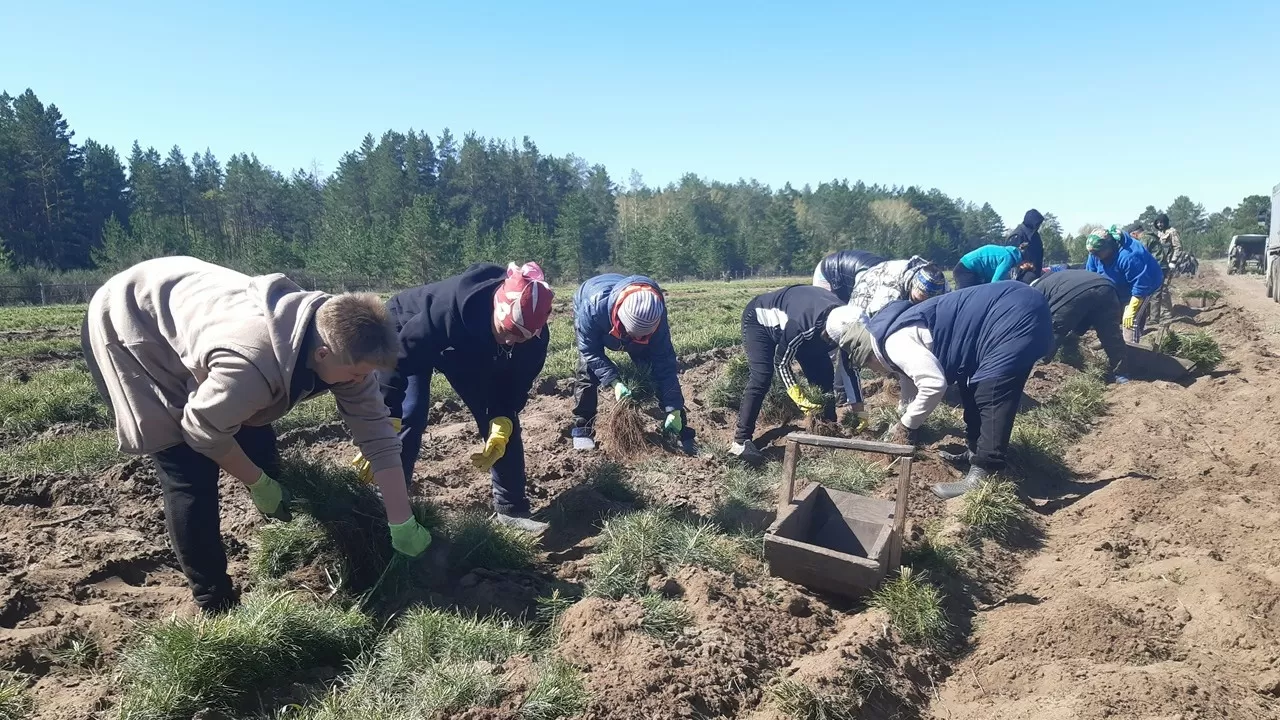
41	293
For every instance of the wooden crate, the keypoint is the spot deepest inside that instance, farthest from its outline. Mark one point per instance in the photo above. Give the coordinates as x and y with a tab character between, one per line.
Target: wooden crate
834	541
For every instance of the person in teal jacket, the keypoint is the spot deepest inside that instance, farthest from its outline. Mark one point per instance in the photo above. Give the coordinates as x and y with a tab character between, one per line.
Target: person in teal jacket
987	264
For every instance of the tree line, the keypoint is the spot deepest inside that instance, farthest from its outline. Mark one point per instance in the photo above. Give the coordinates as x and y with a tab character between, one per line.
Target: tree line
406	208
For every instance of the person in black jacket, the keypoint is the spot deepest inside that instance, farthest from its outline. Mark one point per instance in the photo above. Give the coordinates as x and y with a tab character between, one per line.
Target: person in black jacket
1033	256
798	323
1080	300
840	270
486	330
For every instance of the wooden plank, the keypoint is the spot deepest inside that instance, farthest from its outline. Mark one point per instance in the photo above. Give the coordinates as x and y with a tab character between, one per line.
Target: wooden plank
851	444
900	514
789	461
1147	364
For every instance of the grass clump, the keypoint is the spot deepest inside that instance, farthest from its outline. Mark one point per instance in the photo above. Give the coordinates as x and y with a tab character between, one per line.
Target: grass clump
914	607
1198	347
648	542
798	701
48	398
726	393
663	619
434	664
283	547
842	472
15	703
935	551
1206	297
76	650
182	665
559	693
315	411
63	454
992	509
476	541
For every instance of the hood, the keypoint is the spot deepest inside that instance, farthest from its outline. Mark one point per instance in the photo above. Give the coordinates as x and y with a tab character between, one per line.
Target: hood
289	310
1033	219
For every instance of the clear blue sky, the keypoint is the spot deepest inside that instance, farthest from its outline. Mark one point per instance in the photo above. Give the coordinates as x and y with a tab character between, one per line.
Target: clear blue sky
1087	109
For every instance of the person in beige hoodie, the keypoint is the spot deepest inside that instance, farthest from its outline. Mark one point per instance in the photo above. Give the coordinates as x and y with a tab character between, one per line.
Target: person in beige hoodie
196	361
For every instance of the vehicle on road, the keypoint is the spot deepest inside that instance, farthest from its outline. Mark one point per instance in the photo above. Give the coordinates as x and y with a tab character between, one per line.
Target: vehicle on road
1246	253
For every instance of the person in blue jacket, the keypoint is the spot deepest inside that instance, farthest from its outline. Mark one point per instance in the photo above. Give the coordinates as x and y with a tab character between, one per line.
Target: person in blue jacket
987	264
1132	269
627	314
985	339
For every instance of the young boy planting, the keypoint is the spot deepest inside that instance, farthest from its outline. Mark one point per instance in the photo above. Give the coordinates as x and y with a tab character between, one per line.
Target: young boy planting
196	361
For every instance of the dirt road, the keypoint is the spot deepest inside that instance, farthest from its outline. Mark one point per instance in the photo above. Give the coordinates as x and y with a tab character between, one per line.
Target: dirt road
1157	593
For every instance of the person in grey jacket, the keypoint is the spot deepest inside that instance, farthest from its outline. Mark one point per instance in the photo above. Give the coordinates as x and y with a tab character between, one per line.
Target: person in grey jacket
196	361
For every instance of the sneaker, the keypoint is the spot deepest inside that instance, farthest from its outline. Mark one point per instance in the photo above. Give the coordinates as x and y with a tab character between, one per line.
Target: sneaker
746	451
956	458
582	438
946	491
523	524
1120	380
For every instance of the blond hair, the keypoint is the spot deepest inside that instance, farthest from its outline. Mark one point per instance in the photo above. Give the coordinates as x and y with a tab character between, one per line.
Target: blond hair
356	328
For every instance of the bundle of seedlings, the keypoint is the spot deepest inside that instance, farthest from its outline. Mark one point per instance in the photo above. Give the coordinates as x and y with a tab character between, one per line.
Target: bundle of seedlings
1206	297
1198	347
623	429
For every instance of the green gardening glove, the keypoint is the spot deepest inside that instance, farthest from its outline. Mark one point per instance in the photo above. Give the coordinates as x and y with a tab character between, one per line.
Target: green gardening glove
620	391
410	538
270	498
674	424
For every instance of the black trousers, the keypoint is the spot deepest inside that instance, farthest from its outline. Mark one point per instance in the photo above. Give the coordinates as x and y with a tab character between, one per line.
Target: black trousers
965	277
815	363
189	483
989	409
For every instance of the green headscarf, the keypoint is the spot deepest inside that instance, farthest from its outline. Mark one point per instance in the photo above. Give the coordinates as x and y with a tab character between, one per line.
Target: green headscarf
858	344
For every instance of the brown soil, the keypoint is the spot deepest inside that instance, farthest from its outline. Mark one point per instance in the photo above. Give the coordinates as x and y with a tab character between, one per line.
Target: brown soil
1152	592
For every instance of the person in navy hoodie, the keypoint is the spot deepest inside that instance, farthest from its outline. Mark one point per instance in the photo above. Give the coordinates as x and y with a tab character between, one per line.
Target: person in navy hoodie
486	331
626	314
1132	269
986	339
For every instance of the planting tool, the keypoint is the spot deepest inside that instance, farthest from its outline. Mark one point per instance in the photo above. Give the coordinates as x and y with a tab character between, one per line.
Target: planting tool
835	541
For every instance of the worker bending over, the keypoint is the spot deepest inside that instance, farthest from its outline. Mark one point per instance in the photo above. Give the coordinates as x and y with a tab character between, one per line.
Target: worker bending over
1133	271
985	339
196	361
840	271
916	280
627	314
486	331
987	264
1080	301
798	323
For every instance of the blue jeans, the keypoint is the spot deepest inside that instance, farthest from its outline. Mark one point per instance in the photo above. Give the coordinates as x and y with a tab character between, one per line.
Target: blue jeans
507	475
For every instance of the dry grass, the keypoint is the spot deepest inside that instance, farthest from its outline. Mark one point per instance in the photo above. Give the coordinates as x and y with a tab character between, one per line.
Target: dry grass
622	430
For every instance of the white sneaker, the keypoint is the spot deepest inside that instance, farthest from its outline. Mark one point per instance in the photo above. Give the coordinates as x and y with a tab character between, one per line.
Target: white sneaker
746	451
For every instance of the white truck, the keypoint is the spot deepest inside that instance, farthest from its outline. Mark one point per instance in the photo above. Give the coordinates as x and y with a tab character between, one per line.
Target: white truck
1273	248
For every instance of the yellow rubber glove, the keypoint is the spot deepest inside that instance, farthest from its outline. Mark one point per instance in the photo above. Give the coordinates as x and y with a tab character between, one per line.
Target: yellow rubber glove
496	446
860	422
361	465
1131	312
801	401
410	538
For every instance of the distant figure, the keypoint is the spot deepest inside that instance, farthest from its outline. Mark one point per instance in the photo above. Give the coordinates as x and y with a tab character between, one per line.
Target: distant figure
839	271
987	264
1134	272
1028	234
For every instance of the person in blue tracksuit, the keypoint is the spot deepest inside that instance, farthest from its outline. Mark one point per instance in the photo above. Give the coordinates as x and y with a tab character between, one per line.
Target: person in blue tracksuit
985	339
486	331
626	314
987	264
1133	270
840	271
